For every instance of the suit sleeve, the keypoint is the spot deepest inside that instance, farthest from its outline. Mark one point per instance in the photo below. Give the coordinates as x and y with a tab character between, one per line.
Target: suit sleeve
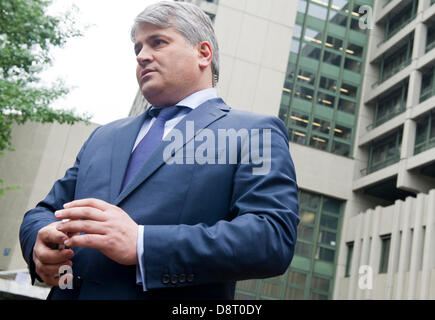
258	243
43	214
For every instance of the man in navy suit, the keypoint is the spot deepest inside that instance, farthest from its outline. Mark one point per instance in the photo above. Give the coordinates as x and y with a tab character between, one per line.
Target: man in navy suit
173	203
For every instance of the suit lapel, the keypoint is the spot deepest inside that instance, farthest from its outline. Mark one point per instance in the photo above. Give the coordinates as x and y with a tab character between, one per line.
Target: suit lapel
124	140
202	116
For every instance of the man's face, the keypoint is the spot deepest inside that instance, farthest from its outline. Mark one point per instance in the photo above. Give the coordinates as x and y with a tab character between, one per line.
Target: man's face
168	68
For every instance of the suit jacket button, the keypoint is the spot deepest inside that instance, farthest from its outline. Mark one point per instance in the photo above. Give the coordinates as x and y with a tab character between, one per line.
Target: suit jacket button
182	278
166	278
174	279
190	277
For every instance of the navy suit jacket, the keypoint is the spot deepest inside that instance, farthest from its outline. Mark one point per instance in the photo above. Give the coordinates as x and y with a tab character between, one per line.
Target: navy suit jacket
205	226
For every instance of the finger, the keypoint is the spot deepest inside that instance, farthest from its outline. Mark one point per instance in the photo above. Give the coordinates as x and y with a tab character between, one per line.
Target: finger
52	235
50	281
77	213
95	241
53	270
90	202
77	226
49	256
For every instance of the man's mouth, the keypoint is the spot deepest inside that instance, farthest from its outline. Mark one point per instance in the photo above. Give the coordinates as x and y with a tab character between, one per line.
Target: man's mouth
146	72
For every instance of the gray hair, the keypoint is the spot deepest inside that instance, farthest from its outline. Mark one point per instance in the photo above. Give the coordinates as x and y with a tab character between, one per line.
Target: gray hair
188	19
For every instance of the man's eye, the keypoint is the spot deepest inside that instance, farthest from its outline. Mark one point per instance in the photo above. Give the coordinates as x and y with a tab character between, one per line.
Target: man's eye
158	42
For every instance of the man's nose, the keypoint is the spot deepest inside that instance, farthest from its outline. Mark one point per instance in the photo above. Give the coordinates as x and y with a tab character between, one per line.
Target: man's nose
144	56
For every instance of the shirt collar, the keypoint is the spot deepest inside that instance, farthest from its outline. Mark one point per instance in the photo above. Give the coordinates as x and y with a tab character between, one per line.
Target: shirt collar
195	99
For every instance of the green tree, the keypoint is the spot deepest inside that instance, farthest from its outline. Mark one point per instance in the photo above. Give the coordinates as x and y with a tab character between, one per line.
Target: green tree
27	33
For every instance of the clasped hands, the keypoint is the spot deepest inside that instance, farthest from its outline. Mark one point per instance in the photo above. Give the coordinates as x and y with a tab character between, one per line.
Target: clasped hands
106	227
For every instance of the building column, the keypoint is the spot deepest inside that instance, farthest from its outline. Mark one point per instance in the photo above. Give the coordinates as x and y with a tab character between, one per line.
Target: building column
365	251
394	250
429	249
416	250
420	35
353	279
404	248
374	247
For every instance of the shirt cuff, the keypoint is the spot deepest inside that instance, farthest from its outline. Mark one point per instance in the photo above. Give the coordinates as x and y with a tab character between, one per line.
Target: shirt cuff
140	268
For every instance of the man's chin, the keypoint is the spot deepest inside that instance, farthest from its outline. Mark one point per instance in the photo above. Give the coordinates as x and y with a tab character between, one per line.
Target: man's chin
151	94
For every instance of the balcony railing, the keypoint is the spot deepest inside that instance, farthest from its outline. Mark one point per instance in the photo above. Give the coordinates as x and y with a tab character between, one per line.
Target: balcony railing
392	72
426	94
386	117
430	46
425	145
380	165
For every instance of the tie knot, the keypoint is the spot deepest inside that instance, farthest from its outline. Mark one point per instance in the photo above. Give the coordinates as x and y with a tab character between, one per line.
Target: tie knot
165	113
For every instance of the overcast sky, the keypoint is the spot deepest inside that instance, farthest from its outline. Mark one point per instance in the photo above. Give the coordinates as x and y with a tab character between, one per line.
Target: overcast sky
100	66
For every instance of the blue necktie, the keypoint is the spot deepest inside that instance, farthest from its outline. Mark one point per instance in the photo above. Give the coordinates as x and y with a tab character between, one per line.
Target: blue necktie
149	142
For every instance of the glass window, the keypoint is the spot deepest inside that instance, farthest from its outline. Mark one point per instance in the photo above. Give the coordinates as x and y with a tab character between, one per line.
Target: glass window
430	38
248	285
296	278
325	254
325	99
426	85
432	125
338	18
340	148
310	51
385	253
298	136
317	11
328	83
302	6
294	47
332	58
349	246
294	294
307	216
305	232
354	50
303	249
329	221
320	125
342	132
422	128
334	43
386	149
352	65
348	90
299	119
320	143
313	36
318	296
327	237
304	92
306	77
297	31
340	5
320	283
271	289
331	205
346	106
354	25
310	200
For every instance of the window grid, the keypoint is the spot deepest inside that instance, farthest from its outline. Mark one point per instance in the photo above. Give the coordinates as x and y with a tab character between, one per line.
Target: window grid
322	47
297	282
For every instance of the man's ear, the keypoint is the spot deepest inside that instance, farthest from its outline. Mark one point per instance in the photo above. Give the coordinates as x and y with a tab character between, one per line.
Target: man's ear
205	54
